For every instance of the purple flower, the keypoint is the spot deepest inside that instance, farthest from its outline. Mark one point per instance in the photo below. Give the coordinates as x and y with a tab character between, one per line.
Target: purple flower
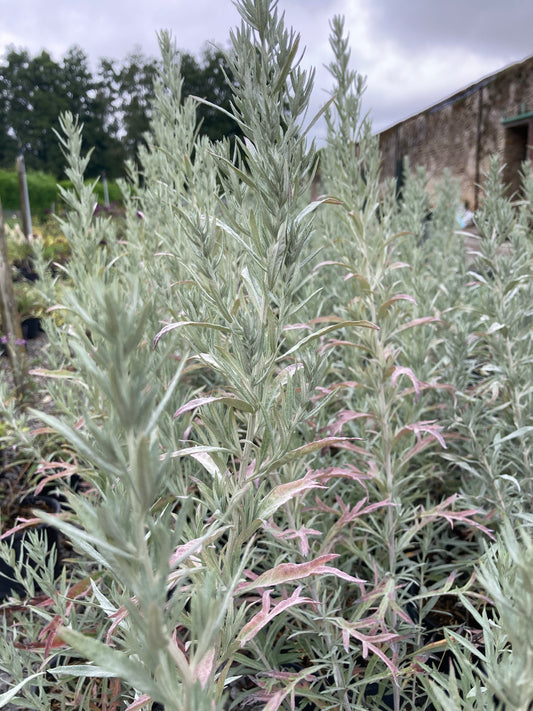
18	341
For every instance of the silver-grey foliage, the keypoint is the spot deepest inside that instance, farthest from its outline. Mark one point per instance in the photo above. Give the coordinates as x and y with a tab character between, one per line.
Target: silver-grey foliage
299	424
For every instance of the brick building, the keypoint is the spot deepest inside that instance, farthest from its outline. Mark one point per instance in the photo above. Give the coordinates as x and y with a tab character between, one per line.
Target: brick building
492	116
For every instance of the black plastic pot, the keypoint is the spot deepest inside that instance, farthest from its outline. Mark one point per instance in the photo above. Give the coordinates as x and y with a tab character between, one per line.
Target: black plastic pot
9	585
31	328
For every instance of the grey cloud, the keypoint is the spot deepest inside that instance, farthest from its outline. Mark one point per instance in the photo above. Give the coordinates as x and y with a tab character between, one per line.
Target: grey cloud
414	52
487	26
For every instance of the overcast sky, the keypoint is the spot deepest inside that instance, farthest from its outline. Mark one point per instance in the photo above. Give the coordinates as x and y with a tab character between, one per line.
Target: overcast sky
413	52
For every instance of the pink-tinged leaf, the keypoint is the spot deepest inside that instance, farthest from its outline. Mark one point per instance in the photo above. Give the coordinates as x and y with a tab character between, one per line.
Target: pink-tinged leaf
285	492
351	447
329	264
397	297
338	442
292	683
342	418
288	572
208	463
193	404
297	327
56	307
362	282
226	399
301	534
49	634
369	642
187	549
139	703
337	386
204	667
347	514
465	516
358	510
276	700
400	265
420	446
118	617
195	546
427	426
266	615
202	324
402	370
346	640
347	472
67	471
25	523
288	372
419	322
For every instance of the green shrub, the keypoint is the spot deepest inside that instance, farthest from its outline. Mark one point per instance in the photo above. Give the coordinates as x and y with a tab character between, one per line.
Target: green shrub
43	191
9	189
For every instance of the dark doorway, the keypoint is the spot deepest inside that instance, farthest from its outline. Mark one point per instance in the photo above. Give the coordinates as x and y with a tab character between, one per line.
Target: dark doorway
517	138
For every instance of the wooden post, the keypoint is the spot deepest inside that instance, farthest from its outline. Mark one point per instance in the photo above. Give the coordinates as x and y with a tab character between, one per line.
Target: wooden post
106	191
24	197
13	334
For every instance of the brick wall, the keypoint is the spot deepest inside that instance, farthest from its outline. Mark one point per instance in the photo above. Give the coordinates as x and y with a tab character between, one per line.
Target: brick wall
493	116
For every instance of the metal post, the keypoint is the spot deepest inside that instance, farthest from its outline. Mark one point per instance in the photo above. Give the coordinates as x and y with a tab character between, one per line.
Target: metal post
24	197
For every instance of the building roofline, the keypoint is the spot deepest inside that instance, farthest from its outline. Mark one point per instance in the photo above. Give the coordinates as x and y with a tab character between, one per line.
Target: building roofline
460	94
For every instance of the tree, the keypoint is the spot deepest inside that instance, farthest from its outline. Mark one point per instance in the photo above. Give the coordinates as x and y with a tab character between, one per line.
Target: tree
15	104
48	98
128	89
114	105
88	100
207	80
33	93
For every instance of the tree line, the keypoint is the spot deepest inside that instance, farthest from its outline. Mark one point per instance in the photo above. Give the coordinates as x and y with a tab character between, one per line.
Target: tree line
114	104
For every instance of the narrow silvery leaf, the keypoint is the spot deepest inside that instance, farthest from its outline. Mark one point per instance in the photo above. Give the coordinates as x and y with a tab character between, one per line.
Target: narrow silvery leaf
180	324
116	663
7	696
328	329
226	400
